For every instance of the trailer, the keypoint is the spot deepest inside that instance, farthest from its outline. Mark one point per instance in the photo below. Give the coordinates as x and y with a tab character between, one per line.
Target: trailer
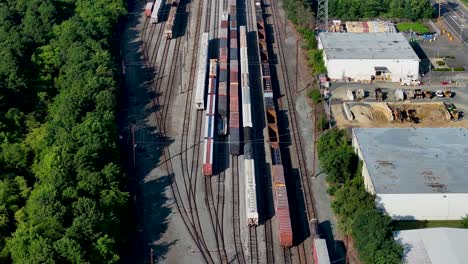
154	14
148	9
201	71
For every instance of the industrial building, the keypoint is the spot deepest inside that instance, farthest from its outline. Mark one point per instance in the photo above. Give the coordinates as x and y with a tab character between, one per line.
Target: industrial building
367	57
415	173
433	245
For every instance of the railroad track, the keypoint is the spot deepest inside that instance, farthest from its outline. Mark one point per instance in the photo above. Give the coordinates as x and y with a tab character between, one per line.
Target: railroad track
189	214
236	223
301	250
253	244
269	241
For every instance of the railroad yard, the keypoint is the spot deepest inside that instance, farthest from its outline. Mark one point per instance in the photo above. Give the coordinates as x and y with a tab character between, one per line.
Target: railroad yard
215	145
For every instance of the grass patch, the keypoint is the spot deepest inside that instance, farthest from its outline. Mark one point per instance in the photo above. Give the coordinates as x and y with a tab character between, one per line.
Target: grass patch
413	224
415	27
443	69
440	63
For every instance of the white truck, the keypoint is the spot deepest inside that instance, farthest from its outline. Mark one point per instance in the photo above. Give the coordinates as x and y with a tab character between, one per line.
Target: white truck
410	81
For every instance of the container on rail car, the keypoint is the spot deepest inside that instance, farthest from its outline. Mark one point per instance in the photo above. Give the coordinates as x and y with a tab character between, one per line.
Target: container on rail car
213	67
208	157
171	20
250	192
154	14
320	251
201	72
148	9
282	206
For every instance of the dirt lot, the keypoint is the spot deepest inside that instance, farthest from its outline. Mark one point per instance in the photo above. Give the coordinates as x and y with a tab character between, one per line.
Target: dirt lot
424	114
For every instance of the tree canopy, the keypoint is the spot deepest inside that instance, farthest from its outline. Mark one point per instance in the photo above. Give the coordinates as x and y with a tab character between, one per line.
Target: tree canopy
393	9
61	186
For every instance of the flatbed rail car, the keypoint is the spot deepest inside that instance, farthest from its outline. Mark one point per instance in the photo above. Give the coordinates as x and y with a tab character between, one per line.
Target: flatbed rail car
210	117
201	72
169	27
154	14
282	212
148	8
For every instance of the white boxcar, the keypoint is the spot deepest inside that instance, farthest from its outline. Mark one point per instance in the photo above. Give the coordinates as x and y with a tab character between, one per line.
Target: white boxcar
250	192
154	14
245	85
201	72
246	105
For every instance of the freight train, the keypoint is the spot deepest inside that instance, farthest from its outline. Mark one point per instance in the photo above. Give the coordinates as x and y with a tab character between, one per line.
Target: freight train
282	212
210	117
201	72
148	8
223	77
154	14
171	19
249	163
234	113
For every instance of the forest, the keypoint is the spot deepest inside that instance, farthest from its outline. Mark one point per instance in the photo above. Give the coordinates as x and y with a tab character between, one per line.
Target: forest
385	9
62	190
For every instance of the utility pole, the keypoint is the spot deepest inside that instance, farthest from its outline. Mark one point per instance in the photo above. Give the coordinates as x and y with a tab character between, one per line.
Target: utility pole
133	144
297	65
322	15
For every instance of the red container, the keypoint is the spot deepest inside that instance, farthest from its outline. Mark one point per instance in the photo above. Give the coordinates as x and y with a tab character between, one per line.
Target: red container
233	76
284	227
223	53
222	89
278	174
234	119
233	97
208	158
149	9
224	24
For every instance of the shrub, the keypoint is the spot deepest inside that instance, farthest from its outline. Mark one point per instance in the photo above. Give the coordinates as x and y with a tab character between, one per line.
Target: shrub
322	123
443	69
459	68
440	63
315	95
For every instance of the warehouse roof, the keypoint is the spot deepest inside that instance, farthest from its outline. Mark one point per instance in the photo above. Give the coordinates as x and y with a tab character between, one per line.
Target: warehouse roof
433	245
415	160
366	46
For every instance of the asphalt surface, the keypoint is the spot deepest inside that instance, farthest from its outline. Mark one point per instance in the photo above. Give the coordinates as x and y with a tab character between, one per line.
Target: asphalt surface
455	15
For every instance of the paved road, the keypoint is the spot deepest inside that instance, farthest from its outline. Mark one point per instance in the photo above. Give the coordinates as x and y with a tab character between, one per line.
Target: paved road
455	15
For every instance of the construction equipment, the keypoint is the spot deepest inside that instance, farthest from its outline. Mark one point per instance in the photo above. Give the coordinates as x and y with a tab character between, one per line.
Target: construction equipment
360	94
452	109
448	93
418	94
428	94
400	95
378	94
350	95
410	94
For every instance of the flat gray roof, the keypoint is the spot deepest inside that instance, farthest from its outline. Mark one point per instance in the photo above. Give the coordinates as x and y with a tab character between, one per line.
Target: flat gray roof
433	245
415	160
366	46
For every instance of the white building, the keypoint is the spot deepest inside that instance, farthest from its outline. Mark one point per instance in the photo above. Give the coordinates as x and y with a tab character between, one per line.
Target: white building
385	56
433	245
416	173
